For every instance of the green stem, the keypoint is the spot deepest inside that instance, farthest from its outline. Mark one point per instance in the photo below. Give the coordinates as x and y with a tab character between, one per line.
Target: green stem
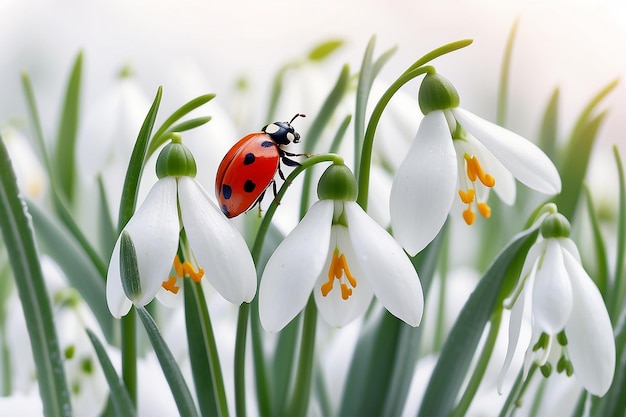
413	71
244	309
368	140
301	393
211	347
481	366
517	391
129	354
265	223
240	360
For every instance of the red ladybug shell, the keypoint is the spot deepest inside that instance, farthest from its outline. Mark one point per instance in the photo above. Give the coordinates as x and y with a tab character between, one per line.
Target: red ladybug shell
245	173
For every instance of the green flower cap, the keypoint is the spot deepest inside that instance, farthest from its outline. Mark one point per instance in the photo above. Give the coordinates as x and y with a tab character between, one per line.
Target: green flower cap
555	226
337	183
437	93
176	160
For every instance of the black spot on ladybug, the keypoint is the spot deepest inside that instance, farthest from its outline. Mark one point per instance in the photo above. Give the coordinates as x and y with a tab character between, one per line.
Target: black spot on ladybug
267	144
248	159
225	210
227	191
249	186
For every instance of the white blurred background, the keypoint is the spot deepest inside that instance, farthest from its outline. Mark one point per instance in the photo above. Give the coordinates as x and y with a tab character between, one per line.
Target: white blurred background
191	47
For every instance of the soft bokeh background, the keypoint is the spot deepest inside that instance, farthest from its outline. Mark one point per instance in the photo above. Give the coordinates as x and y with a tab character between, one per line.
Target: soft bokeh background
194	47
206	45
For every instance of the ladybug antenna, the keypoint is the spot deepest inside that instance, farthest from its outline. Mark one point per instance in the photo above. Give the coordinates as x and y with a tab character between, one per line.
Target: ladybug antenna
296	116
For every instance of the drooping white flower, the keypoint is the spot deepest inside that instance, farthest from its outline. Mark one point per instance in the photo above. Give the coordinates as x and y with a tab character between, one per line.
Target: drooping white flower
456	151
571	328
344	257
214	243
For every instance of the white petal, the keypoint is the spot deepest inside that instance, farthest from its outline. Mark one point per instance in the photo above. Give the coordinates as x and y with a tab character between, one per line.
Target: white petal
529	164
552	292
505	183
385	266
217	245
335	310
294	267
515	326
569	245
591	346
535	251
154	230
424	186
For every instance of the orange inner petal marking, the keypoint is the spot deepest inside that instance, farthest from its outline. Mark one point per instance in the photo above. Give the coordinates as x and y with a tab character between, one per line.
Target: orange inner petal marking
340	270
474	170
182	270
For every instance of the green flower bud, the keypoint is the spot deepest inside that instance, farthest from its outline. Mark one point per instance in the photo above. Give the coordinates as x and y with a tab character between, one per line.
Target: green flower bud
337	183
437	93
176	160
555	226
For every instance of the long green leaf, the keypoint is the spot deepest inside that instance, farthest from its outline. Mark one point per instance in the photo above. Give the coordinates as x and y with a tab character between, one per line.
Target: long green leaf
120	400
106	227
549	125
575	159
24	259
65	159
174	117
128	200
31	105
59	197
80	271
172	372
409	338
203	353
503	88
618	279
458	351
601	276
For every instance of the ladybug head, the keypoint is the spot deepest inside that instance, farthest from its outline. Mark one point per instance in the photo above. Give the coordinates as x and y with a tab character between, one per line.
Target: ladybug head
282	132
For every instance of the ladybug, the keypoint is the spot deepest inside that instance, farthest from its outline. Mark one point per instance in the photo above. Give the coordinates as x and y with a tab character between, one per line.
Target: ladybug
250	165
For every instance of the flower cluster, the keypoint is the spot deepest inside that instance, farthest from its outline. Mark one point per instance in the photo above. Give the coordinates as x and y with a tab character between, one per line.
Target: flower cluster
571	328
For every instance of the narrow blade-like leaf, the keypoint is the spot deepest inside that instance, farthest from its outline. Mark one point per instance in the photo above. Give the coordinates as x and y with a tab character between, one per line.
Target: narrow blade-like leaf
120	400
81	273
203	354
18	238
128	200
65	160
458	351
173	374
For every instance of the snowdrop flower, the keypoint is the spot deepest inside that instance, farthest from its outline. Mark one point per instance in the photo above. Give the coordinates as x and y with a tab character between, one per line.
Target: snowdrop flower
176	200
344	257
571	328
457	152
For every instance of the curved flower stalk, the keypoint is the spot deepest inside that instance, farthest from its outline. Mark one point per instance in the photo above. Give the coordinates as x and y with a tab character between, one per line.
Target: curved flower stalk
344	257
211	241
457	152
571	328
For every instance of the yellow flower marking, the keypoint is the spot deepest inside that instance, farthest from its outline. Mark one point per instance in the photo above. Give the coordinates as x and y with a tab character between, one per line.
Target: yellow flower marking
475	171
182	269
337	270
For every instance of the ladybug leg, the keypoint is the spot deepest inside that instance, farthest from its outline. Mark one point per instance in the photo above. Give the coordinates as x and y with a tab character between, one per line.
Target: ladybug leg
290	162
295	154
258	202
